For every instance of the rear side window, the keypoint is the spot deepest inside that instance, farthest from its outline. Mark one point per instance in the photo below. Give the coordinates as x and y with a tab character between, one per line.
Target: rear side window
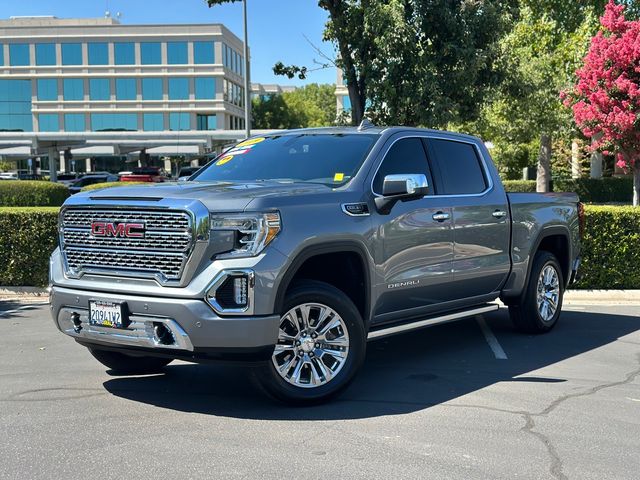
459	167
406	156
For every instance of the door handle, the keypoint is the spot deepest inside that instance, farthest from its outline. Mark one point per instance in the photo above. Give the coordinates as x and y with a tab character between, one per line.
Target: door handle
499	214
440	216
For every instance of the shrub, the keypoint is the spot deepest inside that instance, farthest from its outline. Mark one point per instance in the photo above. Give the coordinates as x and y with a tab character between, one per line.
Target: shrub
519	186
97	186
27	238
610	254
597	190
32	193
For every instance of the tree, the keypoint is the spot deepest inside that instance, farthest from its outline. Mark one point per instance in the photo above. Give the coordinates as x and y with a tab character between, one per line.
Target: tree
310	106
414	62
606	98
524	116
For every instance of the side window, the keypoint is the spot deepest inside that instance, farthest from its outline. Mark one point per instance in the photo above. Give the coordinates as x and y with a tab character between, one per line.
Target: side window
405	156
459	167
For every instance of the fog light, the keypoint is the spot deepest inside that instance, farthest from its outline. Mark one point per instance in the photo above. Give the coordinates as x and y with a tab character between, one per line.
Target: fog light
240	291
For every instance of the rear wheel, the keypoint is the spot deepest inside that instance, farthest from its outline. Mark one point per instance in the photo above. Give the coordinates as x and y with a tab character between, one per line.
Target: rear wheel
539	309
129	364
321	345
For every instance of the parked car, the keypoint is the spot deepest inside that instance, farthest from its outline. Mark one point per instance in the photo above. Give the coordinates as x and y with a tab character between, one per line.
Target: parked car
8	175
293	250
86	180
186	172
68	178
145	174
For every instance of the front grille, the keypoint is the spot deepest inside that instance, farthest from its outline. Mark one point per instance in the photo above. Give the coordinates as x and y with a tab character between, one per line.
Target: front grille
164	249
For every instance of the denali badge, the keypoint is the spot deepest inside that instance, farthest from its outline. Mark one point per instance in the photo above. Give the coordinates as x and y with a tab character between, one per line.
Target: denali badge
409	283
128	230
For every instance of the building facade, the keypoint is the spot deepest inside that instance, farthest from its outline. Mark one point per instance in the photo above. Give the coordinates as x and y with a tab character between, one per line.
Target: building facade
97	75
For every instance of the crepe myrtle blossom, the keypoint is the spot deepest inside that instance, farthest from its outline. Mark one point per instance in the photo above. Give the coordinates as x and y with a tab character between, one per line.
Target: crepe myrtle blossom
606	98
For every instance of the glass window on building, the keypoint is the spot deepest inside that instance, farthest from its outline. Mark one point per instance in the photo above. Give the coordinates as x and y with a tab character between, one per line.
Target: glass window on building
48	122
102	122
178	88
99	89
47	89
346	103
19	54
126	89
150	53
207	122
73	89
205	88
46	54
177	53
179	121
74	122
153	122
203	52
15	106
98	53
124	53
71	54
152	89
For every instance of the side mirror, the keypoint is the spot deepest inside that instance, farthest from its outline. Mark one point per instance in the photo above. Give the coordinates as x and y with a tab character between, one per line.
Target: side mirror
401	187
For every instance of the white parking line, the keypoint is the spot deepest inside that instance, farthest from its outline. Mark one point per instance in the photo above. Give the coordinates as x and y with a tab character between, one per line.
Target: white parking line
491	339
5	313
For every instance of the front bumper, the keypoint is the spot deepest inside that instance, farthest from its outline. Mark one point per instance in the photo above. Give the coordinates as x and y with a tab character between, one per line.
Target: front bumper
193	325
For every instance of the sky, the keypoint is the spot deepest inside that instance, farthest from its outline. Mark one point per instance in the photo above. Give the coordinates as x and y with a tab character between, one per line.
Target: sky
277	28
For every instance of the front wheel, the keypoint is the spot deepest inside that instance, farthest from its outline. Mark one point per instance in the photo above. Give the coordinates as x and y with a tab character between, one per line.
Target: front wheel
539	309
123	364
321	345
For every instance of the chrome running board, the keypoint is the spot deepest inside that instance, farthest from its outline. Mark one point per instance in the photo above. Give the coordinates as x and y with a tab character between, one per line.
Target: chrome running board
385	332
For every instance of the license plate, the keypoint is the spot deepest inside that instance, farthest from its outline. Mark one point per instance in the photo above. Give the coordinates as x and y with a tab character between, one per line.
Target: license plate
107	314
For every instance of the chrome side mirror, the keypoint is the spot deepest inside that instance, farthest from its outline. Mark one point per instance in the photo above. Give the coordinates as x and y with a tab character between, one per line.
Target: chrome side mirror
401	187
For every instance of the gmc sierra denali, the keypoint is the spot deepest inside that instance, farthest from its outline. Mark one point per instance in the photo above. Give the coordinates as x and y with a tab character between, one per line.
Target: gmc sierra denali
292	250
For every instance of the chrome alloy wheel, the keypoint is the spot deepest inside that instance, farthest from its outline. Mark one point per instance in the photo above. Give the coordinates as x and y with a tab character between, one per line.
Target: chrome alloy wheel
313	345
548	293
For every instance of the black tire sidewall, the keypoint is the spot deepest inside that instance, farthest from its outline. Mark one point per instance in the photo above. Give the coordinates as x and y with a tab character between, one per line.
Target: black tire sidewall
318	292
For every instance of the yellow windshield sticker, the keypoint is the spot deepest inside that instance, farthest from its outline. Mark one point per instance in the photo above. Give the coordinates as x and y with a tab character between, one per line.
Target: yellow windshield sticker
251	141
224	160
338	177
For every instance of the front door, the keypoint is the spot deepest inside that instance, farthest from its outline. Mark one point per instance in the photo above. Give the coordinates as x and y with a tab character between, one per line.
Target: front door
415	247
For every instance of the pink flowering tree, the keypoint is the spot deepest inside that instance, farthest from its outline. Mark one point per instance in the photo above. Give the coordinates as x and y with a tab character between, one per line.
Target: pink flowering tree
606	97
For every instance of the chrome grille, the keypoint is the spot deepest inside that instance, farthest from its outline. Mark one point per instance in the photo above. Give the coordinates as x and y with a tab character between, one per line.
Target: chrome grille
163	250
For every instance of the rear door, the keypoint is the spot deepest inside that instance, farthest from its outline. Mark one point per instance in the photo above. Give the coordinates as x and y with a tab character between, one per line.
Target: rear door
481	223
415	250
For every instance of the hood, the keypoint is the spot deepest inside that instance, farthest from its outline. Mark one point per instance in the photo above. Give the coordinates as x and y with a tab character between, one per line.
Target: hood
216	196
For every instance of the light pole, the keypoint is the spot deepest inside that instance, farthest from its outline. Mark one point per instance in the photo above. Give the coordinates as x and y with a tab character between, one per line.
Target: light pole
247	84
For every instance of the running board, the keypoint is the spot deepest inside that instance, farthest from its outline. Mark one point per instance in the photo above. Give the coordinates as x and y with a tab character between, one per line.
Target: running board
385	332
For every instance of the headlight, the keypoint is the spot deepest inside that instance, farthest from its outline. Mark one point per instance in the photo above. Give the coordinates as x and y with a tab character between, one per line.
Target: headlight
254	231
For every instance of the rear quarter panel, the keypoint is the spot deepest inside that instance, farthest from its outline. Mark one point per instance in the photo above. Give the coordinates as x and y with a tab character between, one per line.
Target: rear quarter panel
534	217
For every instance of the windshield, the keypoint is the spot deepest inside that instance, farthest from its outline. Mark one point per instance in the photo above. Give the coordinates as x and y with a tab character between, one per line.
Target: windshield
331	159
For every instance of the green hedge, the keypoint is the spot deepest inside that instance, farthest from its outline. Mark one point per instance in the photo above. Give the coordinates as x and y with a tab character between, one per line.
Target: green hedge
611	248
28	235
32	193
97	186
590	190
610	252
519	186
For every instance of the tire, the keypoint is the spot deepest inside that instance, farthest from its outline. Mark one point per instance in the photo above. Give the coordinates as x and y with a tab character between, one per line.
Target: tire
529	315
334	328
123	364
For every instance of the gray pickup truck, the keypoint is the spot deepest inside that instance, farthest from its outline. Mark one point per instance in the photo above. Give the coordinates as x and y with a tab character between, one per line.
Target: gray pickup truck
292	250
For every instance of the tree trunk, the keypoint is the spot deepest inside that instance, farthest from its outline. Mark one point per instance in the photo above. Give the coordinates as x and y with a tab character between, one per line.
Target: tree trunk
636	183
544	164
576	158
596	160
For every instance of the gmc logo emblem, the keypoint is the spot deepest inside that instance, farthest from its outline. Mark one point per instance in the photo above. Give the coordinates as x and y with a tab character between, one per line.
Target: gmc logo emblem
124	230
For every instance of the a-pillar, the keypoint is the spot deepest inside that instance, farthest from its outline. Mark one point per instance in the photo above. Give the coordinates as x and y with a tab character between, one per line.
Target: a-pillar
54	156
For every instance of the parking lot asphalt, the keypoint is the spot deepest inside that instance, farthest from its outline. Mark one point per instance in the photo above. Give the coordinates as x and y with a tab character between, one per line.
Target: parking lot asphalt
440	403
